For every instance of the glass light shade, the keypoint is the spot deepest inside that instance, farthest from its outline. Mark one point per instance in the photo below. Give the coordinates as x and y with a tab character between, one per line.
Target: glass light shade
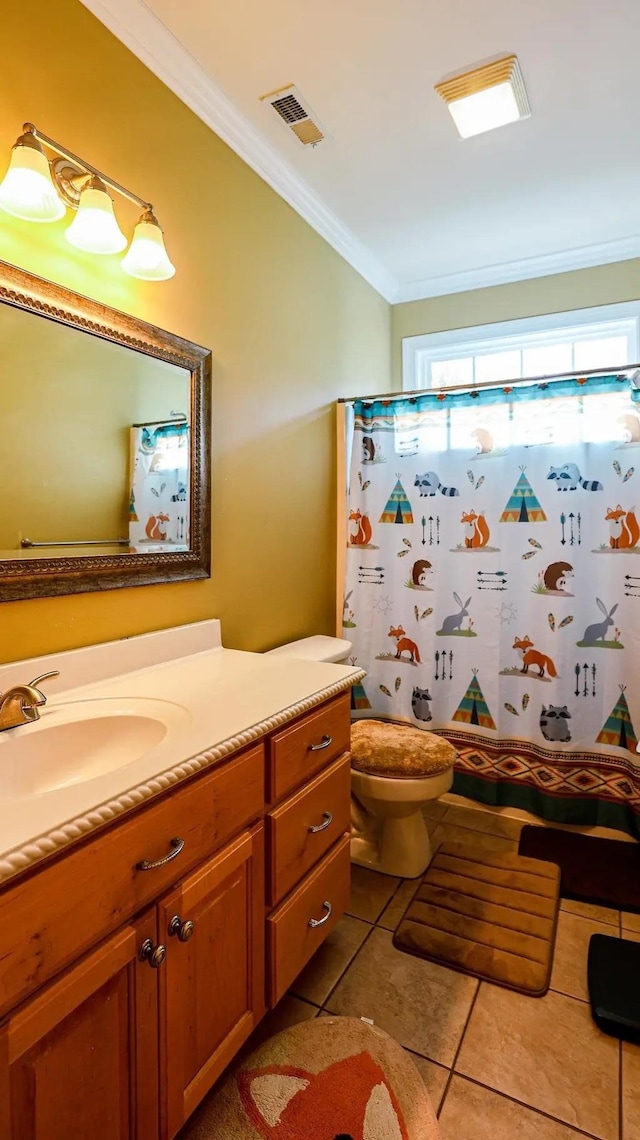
27	190
94	228
147	257
485	110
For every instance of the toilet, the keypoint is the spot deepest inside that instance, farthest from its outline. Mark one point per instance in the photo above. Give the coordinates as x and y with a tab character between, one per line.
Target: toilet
396	769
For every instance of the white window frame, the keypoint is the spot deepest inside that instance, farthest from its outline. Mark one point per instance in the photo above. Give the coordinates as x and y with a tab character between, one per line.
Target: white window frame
419	352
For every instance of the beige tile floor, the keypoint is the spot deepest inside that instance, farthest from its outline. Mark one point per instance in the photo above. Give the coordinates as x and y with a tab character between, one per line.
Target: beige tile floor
498	1065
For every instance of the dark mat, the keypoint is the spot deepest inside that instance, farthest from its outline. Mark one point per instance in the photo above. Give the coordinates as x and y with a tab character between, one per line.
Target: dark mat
594	870
487	914
612	971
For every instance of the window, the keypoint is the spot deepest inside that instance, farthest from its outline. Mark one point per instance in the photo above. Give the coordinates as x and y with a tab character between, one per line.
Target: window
538	346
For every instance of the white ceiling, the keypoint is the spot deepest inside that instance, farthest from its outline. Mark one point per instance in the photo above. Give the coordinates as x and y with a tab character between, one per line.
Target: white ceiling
418	211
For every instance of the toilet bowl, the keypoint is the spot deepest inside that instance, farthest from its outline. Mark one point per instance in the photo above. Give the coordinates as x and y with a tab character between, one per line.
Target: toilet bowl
396	770
388	828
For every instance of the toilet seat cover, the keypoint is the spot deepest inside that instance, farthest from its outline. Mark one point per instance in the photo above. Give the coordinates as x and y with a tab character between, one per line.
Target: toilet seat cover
385	748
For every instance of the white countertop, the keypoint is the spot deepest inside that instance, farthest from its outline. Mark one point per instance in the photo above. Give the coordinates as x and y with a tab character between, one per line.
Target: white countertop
226	698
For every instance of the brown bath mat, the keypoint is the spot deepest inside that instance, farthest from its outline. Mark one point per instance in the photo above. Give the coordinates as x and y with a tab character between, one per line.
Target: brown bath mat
594	870
486	914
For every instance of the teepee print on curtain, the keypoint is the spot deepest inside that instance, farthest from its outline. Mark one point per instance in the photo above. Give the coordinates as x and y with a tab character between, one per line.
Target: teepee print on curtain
523	506
473	708
398	508
543	617
618	729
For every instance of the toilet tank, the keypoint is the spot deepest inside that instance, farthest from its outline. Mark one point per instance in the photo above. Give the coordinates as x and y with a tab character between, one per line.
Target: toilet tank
318	648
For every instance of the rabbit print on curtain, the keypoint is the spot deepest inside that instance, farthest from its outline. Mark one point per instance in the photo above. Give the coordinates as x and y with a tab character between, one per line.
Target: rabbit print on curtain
493	587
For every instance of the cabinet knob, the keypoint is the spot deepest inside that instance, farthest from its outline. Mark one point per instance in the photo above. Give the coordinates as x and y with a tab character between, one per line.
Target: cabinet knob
184	930
154	955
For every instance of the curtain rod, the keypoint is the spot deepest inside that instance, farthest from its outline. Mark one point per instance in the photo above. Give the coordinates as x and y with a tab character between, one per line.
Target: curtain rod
634	368
181	419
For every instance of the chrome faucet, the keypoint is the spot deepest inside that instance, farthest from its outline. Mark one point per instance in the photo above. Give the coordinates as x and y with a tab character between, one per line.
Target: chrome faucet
20	704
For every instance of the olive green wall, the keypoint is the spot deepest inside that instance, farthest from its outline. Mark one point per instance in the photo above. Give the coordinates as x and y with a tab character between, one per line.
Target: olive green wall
581	289
291	326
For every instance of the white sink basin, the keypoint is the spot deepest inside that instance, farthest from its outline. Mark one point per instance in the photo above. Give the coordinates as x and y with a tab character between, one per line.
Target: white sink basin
79	741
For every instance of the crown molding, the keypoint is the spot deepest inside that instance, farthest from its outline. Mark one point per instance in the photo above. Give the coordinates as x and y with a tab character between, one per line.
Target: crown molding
155	46
586	257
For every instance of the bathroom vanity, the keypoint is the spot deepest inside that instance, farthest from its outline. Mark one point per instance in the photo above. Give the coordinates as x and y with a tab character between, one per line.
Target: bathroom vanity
143	937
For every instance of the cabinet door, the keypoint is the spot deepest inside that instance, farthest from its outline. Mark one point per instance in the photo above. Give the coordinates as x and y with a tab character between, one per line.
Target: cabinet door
80	1058
212	990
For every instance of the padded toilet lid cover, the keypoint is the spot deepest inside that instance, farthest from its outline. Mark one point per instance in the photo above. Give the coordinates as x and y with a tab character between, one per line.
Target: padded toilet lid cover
384	748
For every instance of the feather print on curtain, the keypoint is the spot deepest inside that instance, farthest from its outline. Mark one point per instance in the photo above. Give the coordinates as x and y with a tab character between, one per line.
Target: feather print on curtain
493	587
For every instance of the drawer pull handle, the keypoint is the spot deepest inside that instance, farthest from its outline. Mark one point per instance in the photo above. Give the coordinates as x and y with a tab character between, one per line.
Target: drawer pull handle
147	865
321	921
184	930
324	743
154	955
316	827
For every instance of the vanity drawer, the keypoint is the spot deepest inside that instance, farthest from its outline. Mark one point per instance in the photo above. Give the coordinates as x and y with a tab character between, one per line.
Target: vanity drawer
291	941
51	918
306	825
297	753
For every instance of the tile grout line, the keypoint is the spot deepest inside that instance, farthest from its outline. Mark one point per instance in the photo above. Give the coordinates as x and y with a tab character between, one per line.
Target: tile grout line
347	967
388	904
457	1052
563	993
530	1107
350	962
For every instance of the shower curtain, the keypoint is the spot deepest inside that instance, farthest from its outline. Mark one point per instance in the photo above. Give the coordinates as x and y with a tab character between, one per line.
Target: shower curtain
493	587
158	502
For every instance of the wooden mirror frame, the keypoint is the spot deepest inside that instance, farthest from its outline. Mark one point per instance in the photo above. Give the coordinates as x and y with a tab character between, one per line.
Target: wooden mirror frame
49	577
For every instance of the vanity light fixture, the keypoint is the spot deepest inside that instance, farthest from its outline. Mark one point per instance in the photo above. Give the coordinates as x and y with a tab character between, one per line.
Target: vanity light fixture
94	227
27	190
487	97
39	189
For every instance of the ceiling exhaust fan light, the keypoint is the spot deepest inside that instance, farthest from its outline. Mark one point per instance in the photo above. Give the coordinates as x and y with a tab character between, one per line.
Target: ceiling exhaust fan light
487	97
94	228
147	258
27	190
485	110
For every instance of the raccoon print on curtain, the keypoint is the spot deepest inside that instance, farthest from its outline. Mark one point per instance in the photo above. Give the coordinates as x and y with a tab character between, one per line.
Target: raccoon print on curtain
493	587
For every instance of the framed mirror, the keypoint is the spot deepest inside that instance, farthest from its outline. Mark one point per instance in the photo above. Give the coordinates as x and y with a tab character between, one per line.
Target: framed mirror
106	442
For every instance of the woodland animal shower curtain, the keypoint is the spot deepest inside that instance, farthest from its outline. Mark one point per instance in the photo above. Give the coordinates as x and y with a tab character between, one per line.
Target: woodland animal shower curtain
158	506
493	587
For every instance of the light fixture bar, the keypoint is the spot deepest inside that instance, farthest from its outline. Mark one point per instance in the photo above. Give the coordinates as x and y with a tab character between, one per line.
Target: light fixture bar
29	128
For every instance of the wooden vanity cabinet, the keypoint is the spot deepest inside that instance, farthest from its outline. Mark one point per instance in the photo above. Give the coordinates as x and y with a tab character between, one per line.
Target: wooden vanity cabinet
110	1044
212	981
80	1058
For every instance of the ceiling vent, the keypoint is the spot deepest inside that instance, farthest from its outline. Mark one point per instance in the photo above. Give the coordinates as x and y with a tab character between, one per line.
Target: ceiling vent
296	114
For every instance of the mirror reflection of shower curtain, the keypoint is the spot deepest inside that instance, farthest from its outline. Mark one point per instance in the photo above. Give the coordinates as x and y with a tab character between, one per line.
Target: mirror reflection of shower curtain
158	502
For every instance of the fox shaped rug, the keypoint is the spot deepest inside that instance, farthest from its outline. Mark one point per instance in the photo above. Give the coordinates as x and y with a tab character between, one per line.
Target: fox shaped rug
330	1078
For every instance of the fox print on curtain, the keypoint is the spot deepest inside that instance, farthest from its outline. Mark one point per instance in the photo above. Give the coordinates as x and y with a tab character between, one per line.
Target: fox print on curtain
493	587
